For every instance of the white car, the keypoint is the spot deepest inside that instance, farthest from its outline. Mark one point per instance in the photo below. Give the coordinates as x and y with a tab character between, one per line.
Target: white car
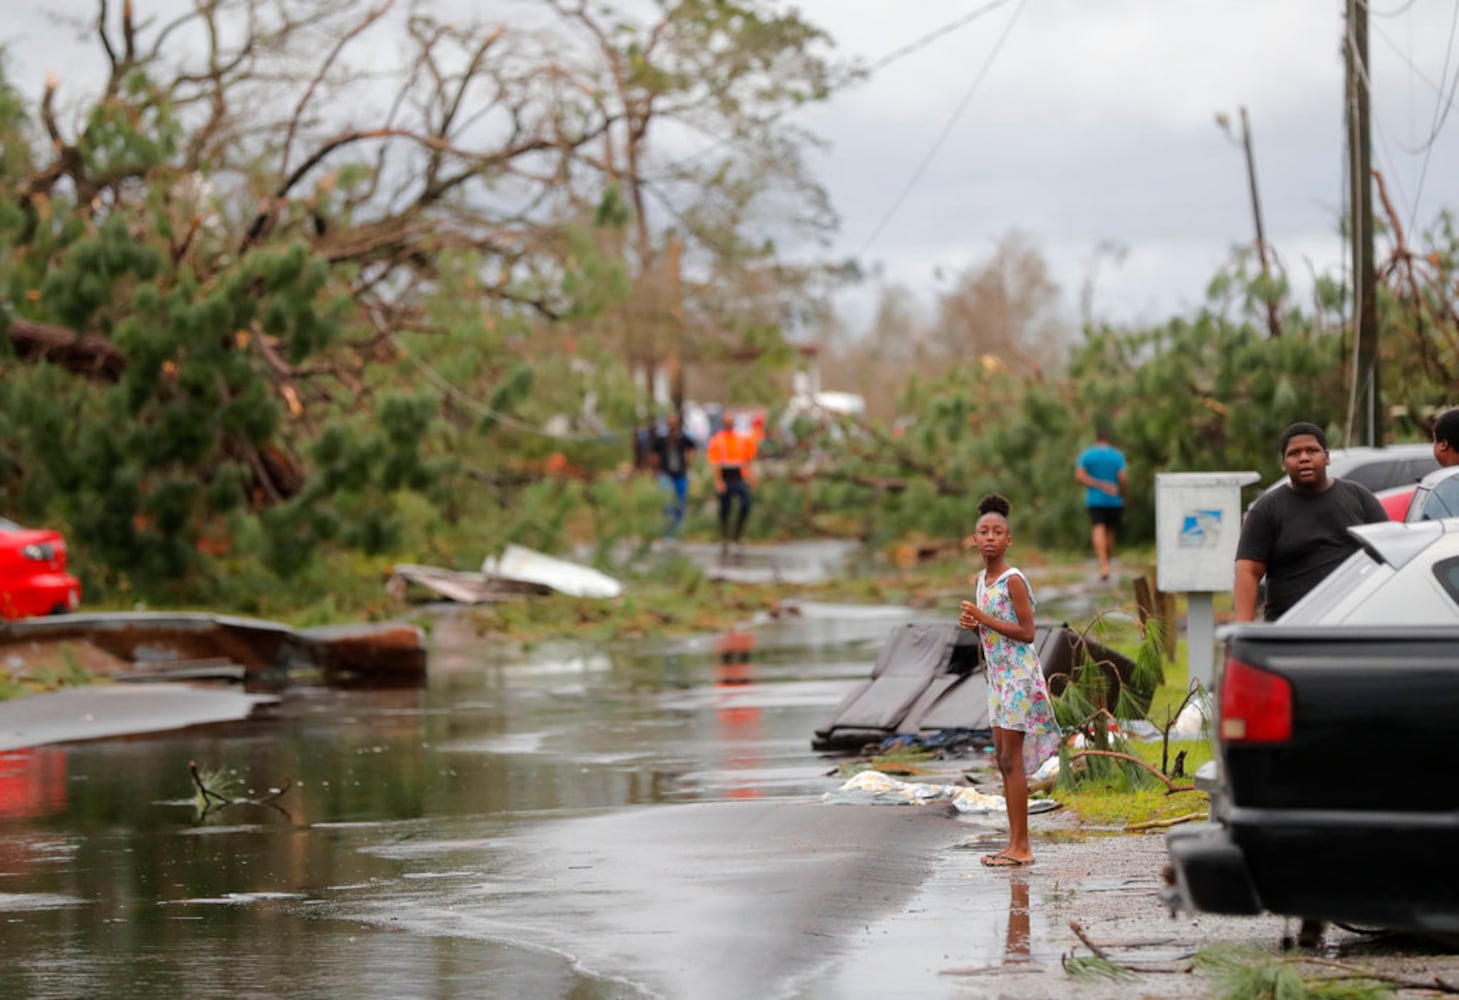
1404	574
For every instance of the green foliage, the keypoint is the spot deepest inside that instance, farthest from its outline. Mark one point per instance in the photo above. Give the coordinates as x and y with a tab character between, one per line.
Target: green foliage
1095	703
1246	975
1190	395
1096	967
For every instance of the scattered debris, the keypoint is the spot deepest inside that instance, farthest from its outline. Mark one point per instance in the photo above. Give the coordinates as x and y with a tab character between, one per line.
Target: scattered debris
1160	824
929	678
210	800
457	585
211	668
166	645
1170	786
878	788
1241	974
523	565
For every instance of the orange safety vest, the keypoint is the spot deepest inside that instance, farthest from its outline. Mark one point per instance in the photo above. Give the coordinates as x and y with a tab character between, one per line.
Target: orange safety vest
730	450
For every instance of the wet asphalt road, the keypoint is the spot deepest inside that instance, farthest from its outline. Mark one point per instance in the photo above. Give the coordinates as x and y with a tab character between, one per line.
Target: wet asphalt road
771	895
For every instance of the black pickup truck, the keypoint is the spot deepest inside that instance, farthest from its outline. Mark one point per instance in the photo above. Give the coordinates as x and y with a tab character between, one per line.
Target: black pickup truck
1337	790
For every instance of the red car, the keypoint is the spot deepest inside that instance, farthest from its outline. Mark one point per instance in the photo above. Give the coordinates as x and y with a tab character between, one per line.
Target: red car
1396	500
33	577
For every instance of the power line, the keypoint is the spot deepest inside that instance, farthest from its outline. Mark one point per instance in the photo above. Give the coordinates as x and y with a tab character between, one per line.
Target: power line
1447	93
1438	88
1398	12
871	70
1441	114
946	131
1414	68
934	35
483	410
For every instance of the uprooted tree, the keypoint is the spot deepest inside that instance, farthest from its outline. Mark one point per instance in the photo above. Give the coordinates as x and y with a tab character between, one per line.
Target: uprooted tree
283	262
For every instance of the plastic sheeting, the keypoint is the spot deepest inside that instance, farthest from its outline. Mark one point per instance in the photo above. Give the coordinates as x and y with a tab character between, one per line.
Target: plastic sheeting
875	788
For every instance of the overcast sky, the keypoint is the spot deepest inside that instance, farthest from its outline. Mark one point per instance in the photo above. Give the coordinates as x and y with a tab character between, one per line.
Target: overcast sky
1096	121
1086	122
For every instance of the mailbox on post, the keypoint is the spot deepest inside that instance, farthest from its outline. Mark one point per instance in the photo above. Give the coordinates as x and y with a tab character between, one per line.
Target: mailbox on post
1197	525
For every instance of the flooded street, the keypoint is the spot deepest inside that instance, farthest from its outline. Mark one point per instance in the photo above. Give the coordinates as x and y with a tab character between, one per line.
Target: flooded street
563	822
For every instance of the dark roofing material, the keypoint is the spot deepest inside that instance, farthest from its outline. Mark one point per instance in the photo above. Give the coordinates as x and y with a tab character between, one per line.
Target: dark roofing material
930	678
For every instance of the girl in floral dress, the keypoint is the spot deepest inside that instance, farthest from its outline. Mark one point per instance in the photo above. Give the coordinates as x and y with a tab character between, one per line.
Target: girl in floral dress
1024	731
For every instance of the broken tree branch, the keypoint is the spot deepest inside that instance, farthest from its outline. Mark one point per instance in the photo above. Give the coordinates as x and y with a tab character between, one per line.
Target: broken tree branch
1160	824
215	800
84	354
1171	786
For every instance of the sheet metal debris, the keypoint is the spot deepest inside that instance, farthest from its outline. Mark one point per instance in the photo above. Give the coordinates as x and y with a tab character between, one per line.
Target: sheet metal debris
525	565
156	644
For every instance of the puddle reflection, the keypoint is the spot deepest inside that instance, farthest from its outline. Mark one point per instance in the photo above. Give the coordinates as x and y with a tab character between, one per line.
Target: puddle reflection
1018	946
738	718
32	782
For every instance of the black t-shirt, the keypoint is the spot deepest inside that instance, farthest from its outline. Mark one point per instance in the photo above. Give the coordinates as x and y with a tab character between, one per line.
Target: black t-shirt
1303	536
673	453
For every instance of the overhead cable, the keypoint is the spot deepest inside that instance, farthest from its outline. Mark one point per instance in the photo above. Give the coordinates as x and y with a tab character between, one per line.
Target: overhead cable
871	70
942	137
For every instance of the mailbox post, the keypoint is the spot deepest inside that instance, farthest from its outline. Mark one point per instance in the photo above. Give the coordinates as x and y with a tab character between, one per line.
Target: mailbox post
1197	525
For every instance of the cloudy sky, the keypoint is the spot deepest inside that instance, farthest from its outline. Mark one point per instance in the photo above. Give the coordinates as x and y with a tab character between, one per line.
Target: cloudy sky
1085	123
1095	122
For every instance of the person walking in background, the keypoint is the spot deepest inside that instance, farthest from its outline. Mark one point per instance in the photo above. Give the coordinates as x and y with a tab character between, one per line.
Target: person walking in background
1025	733
1446	437
1101	471
731	455
1297	533
670	456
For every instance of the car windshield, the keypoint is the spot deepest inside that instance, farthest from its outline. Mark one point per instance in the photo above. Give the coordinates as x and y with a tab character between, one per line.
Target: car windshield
8	525
1436	500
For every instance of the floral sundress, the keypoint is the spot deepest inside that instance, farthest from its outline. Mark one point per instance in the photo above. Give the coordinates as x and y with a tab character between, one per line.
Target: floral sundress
1018	696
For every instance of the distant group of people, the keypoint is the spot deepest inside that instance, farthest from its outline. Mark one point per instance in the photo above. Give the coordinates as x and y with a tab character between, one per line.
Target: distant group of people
730	454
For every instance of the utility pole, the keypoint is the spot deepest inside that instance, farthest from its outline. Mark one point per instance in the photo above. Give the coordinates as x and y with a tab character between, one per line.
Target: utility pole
674	263
1273	307
1273	310
1360	173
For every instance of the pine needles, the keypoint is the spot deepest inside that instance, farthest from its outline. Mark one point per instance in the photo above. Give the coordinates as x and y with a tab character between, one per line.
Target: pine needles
1244	975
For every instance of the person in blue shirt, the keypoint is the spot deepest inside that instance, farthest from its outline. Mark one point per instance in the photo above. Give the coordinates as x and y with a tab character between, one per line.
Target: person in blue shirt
1101	471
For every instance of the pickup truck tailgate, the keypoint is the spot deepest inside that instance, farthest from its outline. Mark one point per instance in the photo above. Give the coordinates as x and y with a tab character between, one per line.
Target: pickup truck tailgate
1338	798
1375	716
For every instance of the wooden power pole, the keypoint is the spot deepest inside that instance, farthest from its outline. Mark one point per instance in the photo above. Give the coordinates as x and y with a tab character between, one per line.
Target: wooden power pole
1273	308
1360	174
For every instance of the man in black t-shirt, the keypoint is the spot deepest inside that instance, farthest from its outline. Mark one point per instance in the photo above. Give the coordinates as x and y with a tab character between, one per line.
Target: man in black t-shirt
671	453
1298	533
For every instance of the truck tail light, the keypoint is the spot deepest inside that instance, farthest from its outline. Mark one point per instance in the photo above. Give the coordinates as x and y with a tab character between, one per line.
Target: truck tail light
1256	706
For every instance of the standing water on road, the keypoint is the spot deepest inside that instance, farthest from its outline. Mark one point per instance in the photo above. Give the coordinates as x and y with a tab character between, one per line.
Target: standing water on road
565	822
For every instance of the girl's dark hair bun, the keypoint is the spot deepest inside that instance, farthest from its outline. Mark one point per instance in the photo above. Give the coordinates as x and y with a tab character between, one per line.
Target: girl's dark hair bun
994	503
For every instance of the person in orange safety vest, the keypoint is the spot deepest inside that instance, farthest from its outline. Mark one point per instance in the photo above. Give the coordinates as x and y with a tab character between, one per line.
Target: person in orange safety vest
731	455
